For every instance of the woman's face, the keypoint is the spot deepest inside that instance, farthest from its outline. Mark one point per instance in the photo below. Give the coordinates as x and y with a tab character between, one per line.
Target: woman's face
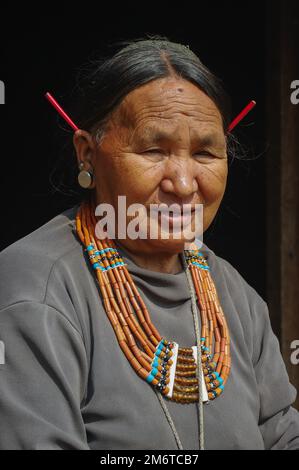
164	144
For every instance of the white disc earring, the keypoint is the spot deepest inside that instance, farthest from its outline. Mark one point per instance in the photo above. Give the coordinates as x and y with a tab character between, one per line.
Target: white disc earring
85	178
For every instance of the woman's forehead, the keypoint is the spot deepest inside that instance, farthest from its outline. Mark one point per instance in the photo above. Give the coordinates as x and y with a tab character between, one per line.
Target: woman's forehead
167	90
167	100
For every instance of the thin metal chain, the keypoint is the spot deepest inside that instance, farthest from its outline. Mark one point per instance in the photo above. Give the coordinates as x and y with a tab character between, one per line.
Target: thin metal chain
198	368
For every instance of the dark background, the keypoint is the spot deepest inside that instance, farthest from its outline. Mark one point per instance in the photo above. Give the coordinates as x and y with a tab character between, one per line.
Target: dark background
42	49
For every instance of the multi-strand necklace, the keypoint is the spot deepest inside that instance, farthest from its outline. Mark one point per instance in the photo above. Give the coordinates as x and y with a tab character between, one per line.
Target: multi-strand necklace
171	369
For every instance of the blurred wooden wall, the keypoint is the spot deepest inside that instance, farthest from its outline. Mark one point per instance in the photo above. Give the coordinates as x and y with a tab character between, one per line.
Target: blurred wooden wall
282	68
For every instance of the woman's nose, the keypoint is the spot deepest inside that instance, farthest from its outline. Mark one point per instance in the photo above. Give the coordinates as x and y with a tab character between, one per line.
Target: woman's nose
180	178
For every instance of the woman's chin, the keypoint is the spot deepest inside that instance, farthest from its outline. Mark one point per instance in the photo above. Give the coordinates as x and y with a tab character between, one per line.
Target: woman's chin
171	244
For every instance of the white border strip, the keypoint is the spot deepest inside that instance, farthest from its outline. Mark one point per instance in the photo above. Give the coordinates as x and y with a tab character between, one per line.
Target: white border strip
174	357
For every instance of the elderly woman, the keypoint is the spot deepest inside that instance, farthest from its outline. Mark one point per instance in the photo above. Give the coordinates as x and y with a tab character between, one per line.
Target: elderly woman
140	342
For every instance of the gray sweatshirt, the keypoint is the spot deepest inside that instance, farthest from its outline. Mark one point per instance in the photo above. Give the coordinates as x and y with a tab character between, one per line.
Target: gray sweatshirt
66	384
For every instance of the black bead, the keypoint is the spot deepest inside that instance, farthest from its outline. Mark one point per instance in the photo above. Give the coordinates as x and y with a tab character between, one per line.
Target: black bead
160	387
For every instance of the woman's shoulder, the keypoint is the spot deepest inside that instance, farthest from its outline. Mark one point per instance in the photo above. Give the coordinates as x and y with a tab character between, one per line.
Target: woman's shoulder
232	287
26	265
245	309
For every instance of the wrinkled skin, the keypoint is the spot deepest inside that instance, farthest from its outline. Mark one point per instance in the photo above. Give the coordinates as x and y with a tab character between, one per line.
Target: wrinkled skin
163	144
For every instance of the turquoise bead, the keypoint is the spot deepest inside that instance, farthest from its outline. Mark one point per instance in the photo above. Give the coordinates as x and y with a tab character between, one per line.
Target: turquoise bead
150	378
155	362
205	268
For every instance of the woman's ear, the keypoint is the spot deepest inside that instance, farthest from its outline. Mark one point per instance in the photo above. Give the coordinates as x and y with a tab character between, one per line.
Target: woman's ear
85	148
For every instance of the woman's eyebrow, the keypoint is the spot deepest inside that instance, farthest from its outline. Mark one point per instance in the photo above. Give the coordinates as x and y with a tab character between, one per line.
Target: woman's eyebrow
150	135
207	140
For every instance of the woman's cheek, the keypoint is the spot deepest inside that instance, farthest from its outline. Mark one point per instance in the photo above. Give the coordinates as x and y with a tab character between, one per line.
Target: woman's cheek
212	182
133	179
138	175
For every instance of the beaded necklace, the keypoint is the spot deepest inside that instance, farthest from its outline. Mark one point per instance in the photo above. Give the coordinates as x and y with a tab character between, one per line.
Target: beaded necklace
172	370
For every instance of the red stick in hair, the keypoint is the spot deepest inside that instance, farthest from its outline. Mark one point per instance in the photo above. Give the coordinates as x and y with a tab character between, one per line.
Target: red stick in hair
60	111
232	125
242	114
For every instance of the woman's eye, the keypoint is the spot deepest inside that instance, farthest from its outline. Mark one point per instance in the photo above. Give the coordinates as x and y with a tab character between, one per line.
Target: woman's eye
153	151
204	154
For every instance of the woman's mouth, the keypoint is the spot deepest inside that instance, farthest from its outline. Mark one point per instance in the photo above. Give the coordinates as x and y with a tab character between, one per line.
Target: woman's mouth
174	218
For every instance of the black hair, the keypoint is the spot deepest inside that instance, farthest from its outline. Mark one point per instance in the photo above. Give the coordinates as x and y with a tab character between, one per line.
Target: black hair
105	82
102	83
